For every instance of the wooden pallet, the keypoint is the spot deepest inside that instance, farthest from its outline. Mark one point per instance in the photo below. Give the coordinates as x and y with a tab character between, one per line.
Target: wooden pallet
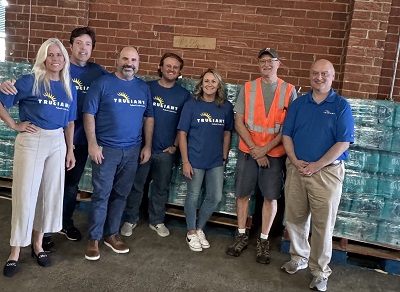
346	251
218	218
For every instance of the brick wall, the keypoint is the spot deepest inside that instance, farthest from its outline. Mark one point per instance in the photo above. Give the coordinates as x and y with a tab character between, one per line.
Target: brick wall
391	43
302	31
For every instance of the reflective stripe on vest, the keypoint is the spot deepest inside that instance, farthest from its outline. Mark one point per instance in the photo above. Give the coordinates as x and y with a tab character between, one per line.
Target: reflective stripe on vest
281	104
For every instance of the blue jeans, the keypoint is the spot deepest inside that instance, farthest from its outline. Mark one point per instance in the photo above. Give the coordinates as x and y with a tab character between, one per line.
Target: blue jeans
112	182
72	178
160	168
214	180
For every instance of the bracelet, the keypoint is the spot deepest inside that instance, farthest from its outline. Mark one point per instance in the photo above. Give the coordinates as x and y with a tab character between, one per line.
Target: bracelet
225	160
176	146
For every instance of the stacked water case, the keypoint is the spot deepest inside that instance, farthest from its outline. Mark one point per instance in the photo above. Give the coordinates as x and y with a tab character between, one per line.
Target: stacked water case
370	206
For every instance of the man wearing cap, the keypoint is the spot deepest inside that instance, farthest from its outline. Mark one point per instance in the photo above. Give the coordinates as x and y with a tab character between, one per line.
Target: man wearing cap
318	131
260	110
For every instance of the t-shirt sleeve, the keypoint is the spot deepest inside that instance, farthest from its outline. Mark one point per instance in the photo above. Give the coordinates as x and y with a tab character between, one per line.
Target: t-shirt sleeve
345	124
185	119
73	115
229	117
148	113
239	105
92	99
24	87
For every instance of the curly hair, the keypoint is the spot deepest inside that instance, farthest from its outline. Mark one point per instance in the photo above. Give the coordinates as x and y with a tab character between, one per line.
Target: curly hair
219	95
39	68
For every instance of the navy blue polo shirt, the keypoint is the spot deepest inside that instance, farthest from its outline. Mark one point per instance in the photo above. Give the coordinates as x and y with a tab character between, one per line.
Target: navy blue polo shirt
315	128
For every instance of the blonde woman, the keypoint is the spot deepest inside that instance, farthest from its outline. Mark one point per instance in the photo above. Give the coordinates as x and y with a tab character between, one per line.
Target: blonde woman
43	149
205	134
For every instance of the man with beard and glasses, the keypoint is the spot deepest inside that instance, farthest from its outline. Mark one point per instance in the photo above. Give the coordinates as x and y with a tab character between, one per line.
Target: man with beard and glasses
116	109
168	99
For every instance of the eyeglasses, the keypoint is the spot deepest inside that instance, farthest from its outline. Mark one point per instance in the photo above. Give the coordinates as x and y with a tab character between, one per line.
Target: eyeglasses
267	61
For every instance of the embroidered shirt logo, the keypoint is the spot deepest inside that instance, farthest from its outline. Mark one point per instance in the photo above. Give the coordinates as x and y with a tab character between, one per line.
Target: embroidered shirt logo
327	112
158	101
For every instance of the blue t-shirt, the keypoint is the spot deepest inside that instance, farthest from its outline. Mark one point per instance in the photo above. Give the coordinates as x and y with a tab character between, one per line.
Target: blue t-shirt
49	111
205	123
119	107
315	128
82	77
167	106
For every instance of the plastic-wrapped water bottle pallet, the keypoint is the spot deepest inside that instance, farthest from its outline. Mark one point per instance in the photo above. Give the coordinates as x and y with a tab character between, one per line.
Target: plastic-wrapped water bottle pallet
5	182
351	252
217	217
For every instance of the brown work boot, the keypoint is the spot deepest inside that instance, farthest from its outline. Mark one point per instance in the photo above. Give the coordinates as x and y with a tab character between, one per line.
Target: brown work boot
92	250
116	244
239	245
263	256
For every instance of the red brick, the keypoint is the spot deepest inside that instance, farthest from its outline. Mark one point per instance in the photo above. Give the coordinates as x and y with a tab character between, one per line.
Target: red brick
308	5
232	1
365	24
362	15
172	21
319	15
195	22
209	15
295	13
172	4
281	21
219	25
187	14
195	6
235	17
219	8
244	9
269	11
150	19
243	26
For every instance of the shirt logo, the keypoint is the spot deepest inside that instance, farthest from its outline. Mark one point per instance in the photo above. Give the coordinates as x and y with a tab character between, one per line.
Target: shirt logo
327	112
207	118
125	99
51	100
159	102
79	85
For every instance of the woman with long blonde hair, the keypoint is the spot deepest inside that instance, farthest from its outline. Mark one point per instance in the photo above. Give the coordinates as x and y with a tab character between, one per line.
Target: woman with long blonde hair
43	149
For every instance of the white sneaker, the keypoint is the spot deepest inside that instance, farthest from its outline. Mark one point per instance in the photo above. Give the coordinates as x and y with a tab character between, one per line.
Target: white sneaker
202	237
194	242
126	229
160	229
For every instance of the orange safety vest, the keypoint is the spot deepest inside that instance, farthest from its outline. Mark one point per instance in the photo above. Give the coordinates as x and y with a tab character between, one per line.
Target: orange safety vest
265	129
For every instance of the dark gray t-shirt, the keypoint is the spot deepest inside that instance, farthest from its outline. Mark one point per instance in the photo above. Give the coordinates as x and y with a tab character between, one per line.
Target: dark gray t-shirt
268	91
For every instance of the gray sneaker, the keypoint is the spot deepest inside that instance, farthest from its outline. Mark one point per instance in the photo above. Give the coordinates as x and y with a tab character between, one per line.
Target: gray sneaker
239	245
319	284
161	229
293	266
127	228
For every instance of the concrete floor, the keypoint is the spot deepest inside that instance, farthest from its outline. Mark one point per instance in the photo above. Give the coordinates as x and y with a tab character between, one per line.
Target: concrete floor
167	264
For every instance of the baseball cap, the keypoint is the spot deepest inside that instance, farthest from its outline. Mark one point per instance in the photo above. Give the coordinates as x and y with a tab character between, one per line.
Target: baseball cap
270	51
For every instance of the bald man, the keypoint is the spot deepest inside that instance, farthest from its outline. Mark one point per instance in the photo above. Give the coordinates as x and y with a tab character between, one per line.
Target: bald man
116	109
316	135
